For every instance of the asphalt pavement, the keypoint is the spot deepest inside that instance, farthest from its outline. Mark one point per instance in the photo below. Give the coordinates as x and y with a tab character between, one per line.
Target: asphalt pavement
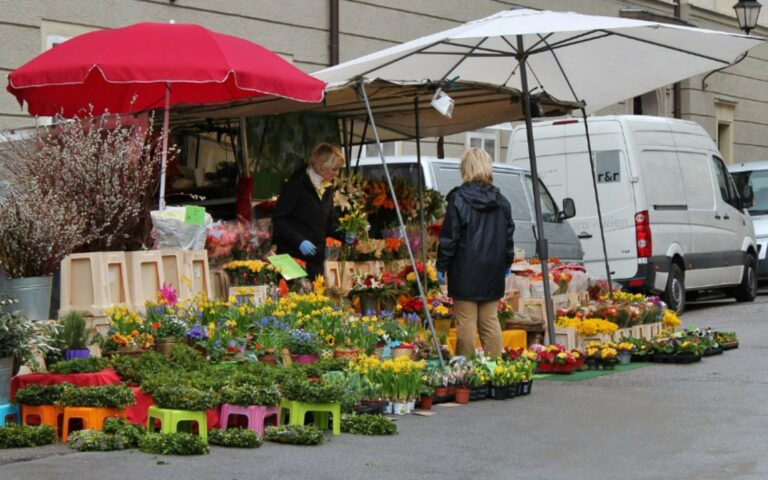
701	421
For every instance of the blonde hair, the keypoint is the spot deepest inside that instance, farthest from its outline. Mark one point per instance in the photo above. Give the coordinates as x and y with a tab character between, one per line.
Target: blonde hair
326	155
476	166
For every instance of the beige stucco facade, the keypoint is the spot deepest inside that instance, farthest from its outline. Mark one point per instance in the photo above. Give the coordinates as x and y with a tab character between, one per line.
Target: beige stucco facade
736	98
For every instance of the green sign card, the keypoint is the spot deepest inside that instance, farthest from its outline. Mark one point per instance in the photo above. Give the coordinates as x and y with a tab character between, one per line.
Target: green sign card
289	269
194	215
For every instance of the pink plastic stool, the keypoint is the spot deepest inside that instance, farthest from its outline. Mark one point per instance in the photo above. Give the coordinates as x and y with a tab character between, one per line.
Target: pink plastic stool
256	415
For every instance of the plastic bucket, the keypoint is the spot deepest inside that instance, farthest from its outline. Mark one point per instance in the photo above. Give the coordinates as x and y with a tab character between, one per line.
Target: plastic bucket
33	294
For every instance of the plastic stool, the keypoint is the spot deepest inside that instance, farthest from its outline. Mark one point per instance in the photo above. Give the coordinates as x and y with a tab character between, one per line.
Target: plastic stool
48	415
7	410
256	415
92	417
297	412
169	419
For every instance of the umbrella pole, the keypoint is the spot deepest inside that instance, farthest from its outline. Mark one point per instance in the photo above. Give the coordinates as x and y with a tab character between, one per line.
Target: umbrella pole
403	233
420	179
166	119
597	201
542	246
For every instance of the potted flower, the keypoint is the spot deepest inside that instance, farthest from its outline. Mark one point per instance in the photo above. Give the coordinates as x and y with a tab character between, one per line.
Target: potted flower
557	359
625	350
504	375
252	272
73	335
19	339
608	356
478	380
128	333
369	289
304	346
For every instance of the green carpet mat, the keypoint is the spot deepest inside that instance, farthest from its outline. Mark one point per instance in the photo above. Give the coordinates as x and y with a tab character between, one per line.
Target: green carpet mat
587	374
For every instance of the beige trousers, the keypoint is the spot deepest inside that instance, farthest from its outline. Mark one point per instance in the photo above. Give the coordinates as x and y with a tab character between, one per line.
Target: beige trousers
472	317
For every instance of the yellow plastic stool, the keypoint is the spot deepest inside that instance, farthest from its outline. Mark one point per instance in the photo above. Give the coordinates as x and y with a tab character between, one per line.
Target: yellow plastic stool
169	420
297	411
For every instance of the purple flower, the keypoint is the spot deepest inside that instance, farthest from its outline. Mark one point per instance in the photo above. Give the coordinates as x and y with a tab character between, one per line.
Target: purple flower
195	333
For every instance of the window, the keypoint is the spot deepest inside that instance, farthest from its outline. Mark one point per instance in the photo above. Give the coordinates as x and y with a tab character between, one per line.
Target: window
724	117
390	149
758	181
485	139
724	182
548	206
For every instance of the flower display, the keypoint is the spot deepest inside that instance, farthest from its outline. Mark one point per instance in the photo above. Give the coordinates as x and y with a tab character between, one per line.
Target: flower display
252	272
127	330
408	275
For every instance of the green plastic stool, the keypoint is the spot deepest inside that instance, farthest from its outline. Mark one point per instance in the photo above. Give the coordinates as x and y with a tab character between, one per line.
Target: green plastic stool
297	411
169	420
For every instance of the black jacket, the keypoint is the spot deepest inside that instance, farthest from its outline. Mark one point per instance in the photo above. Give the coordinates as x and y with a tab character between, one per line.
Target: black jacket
476	246
300	215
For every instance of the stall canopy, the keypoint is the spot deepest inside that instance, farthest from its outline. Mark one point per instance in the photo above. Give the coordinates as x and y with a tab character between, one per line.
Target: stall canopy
149	66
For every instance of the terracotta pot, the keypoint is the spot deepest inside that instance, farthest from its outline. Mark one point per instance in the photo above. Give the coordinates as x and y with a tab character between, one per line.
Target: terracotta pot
268	358
441	391
451	389
426	402
462	395
350	354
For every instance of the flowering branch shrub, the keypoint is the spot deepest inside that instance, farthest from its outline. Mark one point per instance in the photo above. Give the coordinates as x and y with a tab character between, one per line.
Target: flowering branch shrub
85	185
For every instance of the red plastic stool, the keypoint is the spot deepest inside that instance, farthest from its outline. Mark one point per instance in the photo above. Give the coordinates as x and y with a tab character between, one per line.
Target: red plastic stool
92	417
256	415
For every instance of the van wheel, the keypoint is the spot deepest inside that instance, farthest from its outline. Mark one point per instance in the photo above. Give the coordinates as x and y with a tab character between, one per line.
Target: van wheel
747	290
674	294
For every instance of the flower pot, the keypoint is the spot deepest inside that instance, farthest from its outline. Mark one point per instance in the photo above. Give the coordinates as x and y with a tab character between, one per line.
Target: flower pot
526	387
268	358
499	392
398	352
462	395
350	354
33	294
400	408
304	359
609	366
165	345
441	391
451	389
388	408
426	402
77	353
369	304
478	393
625	358
411	405
6	372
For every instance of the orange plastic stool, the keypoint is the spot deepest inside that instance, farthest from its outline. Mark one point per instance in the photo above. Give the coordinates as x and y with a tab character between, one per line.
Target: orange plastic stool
92	417
48	415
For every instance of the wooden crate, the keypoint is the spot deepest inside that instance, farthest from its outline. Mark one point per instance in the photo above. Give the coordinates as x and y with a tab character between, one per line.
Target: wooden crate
199	274
563	336
583	340
145	275
219	284
93	282
622	333
173	268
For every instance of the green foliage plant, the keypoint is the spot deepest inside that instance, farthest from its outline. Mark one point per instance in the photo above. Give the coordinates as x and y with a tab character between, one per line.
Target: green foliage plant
105	396
40	394
74	331
312	389
234	437
367	424
184	397
246	395
22	436
117	434
79	365
294	434
21	337
135	370
179	443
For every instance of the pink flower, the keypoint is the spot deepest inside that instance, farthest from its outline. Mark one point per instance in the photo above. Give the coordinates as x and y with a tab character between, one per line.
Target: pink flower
168	293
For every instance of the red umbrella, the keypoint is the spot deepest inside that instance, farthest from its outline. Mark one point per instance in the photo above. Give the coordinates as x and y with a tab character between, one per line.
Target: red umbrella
154	65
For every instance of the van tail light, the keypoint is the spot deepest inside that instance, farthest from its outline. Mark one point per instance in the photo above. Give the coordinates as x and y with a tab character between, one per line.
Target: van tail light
643	234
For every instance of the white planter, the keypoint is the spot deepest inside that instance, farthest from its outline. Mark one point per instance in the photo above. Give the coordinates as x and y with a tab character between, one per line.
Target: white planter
400	408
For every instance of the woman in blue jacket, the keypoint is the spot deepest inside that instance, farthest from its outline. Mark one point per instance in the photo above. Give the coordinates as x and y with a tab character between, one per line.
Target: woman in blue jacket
476	250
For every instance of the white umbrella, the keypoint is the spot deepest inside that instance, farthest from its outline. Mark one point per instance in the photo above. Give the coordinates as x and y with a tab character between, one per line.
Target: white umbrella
569	56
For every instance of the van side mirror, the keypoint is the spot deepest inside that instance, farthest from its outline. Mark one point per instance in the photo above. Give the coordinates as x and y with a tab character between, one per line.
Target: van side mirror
569	210
747	196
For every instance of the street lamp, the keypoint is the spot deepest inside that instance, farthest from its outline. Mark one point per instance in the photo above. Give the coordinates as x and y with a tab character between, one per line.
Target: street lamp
747	12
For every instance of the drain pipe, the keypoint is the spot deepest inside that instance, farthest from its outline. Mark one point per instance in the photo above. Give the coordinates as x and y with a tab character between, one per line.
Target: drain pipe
333	46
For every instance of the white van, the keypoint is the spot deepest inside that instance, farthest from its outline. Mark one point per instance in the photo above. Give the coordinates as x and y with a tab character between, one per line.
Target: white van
514	183
752	180
673	219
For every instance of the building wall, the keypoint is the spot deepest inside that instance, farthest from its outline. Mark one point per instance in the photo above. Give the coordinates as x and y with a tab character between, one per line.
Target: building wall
299	30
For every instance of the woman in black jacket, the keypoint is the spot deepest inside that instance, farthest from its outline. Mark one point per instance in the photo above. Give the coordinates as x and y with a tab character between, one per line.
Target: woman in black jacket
304	215
476	250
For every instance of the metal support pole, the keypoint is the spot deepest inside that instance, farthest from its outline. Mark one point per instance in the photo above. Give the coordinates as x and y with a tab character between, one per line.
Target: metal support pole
403	233
420	178
542	246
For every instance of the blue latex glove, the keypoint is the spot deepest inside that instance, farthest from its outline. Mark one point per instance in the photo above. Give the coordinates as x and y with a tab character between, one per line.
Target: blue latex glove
509	272
350	238
307	248
440	278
